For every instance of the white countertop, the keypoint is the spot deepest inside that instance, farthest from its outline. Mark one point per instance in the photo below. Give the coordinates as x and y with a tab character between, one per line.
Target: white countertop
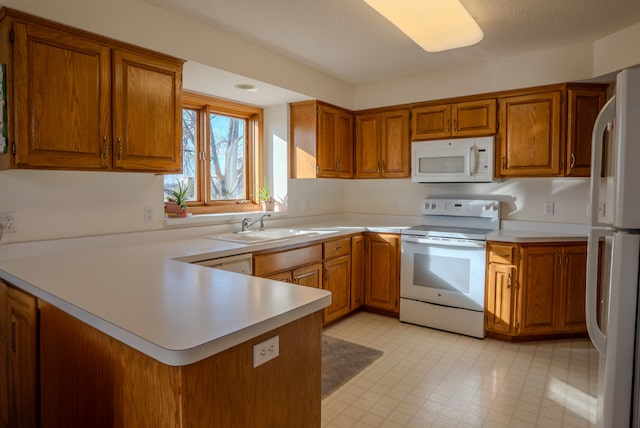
148	297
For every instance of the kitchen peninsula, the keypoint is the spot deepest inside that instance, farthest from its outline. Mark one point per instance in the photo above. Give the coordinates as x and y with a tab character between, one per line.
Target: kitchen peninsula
129	336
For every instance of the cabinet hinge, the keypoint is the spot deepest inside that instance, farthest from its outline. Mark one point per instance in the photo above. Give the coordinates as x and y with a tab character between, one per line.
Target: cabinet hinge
13	149
317	169
519	256
517	325
11	36
497	125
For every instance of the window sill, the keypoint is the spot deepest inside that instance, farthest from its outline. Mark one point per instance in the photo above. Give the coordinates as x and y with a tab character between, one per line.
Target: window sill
218	218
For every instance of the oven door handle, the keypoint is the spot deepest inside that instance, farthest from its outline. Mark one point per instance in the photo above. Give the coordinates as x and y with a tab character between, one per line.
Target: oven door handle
448	242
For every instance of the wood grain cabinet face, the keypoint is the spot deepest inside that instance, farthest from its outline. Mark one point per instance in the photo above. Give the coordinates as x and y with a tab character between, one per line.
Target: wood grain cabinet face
584	104
322	141
383	147
530	135
464	119
535	290
19	394
382	273
82	102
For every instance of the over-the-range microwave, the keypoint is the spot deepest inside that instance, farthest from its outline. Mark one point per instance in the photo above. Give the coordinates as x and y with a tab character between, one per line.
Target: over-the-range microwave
464	160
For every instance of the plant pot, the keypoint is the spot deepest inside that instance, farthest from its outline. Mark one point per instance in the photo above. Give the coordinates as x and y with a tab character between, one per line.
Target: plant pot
173	209
269	205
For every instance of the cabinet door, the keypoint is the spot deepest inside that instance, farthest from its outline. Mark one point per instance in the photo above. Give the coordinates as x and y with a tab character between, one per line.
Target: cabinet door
337	280
280	276
357	271
571	300
499	304
382	274
147	110
327	130
344	145
5	334
61	99
431	122
530	135
539	278
395	146
309	276
583	107
23	359
303	133
367	146
474	118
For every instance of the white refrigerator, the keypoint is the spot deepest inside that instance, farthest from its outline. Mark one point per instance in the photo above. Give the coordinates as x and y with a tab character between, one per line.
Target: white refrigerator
614	254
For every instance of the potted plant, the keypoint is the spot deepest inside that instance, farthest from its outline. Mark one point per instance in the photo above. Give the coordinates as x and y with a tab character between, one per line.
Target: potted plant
267	201
177	203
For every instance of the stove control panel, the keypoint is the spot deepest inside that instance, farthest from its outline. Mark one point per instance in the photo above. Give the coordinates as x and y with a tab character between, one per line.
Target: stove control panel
461	207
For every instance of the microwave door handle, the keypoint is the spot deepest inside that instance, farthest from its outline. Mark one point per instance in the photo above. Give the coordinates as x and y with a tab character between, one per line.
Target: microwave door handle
472	161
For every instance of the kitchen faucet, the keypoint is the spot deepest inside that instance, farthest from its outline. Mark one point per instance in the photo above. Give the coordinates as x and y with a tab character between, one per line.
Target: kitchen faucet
246	225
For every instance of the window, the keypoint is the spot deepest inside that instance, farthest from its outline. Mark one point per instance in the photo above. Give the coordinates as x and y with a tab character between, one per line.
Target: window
222	155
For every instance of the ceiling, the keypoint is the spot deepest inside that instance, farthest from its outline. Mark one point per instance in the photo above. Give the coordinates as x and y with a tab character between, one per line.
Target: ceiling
350	41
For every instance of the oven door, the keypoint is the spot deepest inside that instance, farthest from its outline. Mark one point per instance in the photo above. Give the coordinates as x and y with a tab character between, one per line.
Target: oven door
443	271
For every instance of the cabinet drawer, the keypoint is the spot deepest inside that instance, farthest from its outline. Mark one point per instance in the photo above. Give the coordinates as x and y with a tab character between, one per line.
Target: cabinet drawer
264	264
501	254
337	248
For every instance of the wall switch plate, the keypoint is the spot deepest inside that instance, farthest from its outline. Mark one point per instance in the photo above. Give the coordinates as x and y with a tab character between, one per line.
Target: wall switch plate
265	351
148	215
8	221
548	208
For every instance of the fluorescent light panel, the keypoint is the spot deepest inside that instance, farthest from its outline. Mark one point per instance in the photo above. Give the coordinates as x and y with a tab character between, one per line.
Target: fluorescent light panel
435	25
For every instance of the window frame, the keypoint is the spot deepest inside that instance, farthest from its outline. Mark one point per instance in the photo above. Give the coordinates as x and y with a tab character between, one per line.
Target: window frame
254	153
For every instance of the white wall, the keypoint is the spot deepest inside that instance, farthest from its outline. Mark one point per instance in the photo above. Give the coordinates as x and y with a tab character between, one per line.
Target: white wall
523	199
55	204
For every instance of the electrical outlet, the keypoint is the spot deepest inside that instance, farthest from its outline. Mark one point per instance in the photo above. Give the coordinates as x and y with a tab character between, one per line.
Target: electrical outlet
8	221
148	215
395	204
265	351
548	208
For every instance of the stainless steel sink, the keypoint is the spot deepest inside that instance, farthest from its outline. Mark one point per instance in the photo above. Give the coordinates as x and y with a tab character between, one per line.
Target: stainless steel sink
258	236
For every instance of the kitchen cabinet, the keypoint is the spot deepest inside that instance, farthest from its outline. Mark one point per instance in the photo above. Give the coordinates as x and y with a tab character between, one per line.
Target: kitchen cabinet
541	135
301	266
535	290
322	140
83	102
357	271
464	119
382	272
19	395
337	277
383	147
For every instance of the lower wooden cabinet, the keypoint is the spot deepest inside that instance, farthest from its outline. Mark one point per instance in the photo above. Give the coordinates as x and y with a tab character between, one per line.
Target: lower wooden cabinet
357	271
18	359
535	290
382	272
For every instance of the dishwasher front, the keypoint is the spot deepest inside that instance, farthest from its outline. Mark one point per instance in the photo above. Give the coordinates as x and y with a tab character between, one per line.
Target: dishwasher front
241	263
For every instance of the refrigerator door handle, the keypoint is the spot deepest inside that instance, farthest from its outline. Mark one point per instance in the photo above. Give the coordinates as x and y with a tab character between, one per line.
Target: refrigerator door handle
606	115
598	338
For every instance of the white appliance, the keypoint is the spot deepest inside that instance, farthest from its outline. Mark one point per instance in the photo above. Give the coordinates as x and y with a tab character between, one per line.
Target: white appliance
464	160
612	319
241	263
442	269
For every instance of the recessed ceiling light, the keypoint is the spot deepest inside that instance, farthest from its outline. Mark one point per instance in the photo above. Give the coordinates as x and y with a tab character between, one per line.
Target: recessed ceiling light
246	87
435	25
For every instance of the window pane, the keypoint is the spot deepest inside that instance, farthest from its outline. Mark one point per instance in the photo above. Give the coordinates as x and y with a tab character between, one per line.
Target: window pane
189	150
227	157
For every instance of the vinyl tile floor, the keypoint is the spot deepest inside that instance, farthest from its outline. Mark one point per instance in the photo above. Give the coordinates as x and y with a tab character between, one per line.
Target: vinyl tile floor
430	378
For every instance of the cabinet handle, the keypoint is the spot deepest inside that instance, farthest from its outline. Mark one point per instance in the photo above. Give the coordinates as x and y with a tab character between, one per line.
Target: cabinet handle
382	166
119	141
326	275
455	124
504	163
573	161
559	260
566	260
509	281
448	125
338	165
105	147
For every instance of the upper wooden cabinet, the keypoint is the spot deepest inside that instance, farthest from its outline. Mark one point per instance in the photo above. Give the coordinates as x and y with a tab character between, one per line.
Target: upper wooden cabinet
464	119
540	134
322	140
84	102
383	148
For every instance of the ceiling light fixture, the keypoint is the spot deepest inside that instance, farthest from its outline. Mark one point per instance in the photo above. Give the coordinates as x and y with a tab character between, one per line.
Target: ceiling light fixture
435	25
246	87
